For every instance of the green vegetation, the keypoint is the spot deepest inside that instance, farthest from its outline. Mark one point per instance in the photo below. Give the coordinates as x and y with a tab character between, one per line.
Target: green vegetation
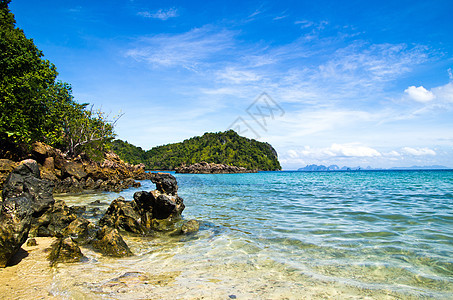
222	147
128	152
34	106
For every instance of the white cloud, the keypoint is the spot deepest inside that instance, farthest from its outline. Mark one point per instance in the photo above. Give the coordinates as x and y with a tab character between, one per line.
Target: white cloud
335	150
238	76
351	150
161	14
420	94
444	93
419	151
186	50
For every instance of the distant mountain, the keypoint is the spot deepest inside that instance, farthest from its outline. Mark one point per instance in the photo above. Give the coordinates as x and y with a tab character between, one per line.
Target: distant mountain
220	148
322	168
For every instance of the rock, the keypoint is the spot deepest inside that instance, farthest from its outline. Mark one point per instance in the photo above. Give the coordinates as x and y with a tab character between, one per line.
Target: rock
15	221
73	169
81	230
53	221
26	180
165	183
41	150
65	250
212	168
32	242
190	226
6	166
109	242
69	185
124	215
78	210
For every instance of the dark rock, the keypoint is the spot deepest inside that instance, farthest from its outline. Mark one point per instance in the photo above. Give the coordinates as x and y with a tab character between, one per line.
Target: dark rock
90	184
81	230
69	185
6	166
53	221
73	169
122	214
190	226
25	180
79	210
165	183
109	242
65	250
32	242
15	220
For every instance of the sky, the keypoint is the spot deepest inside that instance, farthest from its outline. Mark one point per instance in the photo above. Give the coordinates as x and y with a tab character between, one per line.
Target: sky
355	83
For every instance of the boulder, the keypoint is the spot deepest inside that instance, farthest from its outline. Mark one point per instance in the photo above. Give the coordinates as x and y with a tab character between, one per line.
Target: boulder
73	169
15	220
165	183
53	221
6	166
109	242
26	180
124	215
81	230
65	250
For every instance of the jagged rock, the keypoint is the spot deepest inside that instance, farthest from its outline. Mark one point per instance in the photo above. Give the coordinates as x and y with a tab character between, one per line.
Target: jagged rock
81	230
212	168
69	185
162	206
25	180
32	242
6	166
73	169
190	226
65	250
165	183
109	242
15	220
53	221
79	210
124	215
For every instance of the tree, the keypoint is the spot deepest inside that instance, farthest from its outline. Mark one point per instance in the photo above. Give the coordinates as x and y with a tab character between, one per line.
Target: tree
34	106
25	79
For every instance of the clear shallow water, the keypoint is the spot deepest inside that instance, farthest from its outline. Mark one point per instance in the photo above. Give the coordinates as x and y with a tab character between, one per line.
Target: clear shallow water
285	235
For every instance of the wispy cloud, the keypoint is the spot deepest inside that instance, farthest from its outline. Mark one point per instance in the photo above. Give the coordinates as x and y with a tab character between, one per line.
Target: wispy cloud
186	50
418	151
161	14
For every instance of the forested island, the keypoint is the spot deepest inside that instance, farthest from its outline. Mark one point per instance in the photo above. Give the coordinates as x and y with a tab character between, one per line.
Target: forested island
227	148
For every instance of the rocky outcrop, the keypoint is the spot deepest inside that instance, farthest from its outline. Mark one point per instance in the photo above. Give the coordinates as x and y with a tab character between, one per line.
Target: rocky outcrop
15	221
25	196
149	210
211	168
65	250
25	180
74	175
109	242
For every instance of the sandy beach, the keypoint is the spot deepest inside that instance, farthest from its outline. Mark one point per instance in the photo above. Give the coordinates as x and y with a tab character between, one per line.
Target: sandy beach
29	274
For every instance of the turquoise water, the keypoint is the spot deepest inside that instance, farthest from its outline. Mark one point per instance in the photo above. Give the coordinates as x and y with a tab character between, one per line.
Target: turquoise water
287	235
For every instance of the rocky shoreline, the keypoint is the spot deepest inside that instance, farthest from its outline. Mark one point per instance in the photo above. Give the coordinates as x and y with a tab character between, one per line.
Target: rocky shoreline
28	210
75	175
212	168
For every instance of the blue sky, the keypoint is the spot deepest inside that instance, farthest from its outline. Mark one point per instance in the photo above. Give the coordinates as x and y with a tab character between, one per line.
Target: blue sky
345	82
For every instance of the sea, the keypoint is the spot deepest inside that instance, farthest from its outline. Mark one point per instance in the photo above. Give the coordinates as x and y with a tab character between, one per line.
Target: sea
283	235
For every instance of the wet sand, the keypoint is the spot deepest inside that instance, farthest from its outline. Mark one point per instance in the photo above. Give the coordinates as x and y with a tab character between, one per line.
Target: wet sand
28	275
